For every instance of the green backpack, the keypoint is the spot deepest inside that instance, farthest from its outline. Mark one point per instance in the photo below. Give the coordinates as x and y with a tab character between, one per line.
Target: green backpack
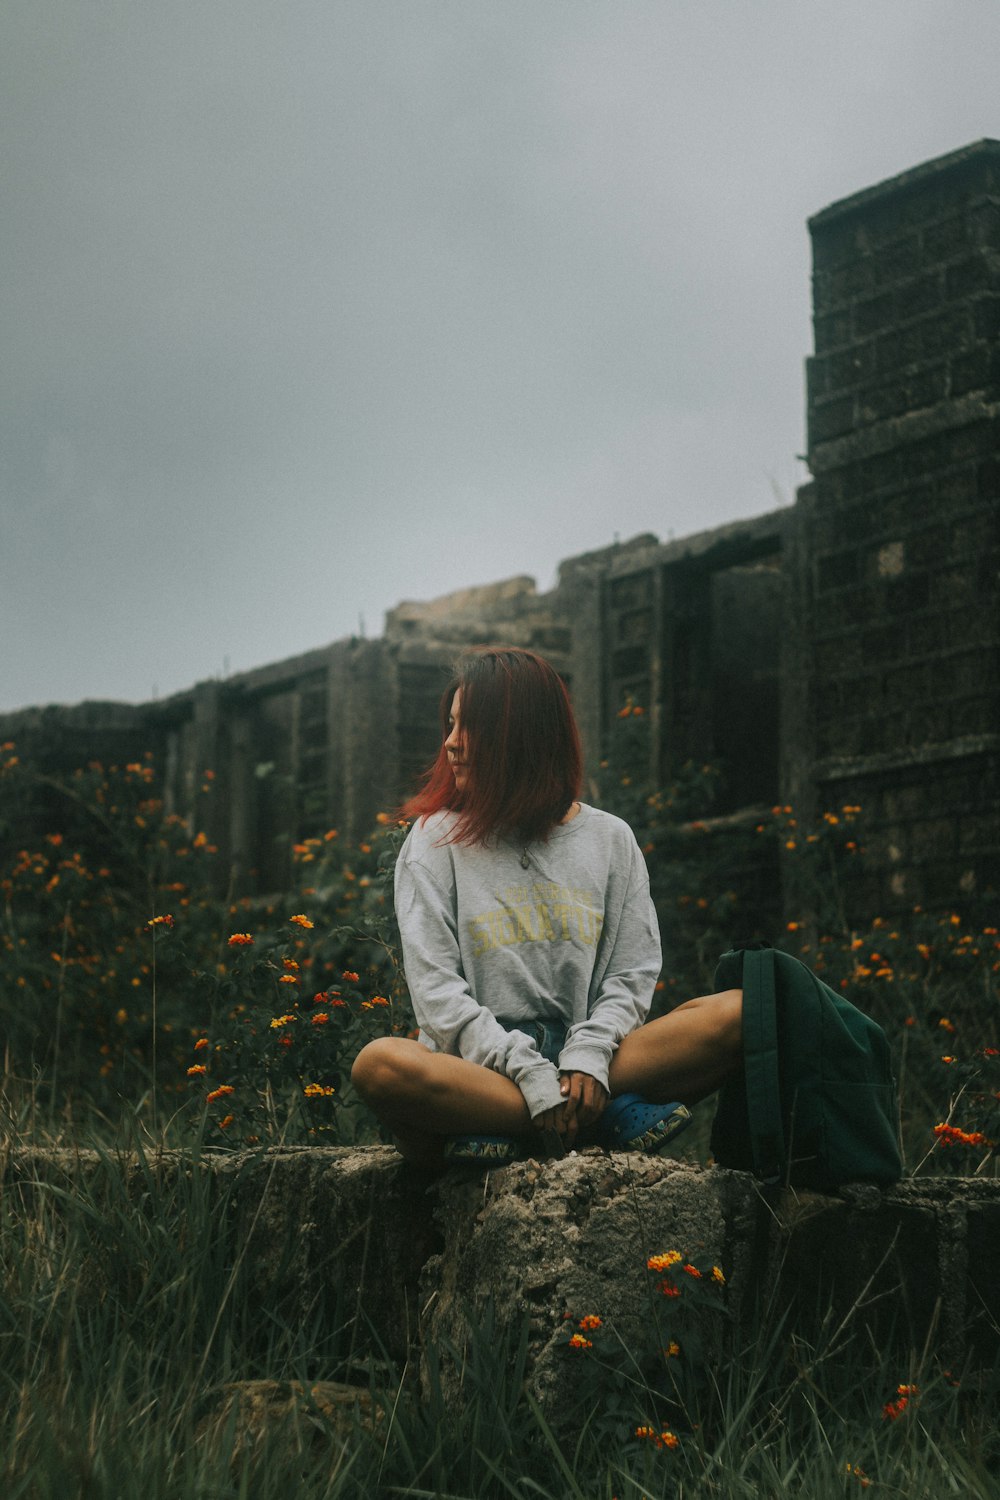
815	1104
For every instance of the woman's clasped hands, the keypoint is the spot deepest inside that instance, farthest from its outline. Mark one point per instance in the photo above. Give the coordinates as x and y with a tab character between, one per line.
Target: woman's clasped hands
585	1102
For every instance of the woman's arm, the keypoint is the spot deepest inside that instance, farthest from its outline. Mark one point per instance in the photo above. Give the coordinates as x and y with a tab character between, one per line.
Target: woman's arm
625	975
447	1012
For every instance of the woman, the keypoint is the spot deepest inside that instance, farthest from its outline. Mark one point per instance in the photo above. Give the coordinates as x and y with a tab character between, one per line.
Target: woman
531	949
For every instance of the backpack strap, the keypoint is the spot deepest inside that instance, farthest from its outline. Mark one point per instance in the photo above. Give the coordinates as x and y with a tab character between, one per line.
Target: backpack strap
762	1075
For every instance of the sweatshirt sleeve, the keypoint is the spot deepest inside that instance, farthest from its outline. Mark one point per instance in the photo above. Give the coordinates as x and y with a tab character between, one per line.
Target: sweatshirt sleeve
625	978
447	1012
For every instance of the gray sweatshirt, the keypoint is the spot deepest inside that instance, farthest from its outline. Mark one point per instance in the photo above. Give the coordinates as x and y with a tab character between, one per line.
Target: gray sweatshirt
573	938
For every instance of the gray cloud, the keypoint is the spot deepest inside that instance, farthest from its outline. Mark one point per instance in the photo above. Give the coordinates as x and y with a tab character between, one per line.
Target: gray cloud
308	308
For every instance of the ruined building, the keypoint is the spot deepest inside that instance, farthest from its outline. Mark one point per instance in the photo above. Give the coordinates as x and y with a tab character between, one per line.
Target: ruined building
840	650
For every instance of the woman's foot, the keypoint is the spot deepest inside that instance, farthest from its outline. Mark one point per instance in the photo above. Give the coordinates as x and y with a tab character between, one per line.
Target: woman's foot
486	1151
631	1123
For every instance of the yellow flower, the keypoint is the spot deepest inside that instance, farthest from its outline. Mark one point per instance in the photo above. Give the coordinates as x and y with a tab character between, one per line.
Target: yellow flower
664	1262
280	1021
318	1091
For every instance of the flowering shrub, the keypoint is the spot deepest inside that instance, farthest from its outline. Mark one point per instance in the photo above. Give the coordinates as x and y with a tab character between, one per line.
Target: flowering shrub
932	980
283	1047
123	974
94	997
669	1373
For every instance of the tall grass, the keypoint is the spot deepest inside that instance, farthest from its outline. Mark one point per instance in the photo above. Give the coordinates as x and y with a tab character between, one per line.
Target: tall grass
134	1348
140	1359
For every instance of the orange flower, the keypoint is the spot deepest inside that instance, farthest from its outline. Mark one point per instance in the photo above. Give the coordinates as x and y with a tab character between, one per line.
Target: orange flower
225	1123
350	976
201	1044
664	1262
893	1410
240	940
301	921
288	979
579	1342
951	1135
320	1018
165	921
318	1091
196	1070
664	1439
220	1093
590	1322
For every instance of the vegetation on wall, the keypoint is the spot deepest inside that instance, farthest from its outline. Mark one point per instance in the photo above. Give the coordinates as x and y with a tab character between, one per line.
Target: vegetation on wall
128	985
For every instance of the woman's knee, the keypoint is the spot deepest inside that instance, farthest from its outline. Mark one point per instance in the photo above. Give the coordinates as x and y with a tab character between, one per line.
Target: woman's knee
719	1019
384	1068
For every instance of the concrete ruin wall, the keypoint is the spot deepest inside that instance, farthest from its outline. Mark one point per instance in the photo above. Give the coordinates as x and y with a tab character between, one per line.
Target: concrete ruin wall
353	1240
901	525
845	649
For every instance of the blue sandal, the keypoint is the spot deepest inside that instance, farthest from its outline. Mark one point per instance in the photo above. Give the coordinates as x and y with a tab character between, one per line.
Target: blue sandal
481	1150
631	1123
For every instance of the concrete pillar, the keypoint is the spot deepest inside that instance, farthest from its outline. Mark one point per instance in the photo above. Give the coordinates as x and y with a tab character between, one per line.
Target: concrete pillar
901	544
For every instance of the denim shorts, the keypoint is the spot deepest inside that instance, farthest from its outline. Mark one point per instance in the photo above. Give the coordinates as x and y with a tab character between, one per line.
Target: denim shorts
549	1036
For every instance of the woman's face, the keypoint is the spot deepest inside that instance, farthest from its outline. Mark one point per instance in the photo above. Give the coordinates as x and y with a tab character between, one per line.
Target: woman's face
455	745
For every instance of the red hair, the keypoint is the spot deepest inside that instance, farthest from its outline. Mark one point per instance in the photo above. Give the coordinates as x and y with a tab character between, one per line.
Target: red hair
522	749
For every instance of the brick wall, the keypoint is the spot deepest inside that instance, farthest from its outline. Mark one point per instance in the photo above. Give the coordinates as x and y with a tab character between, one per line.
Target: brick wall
900	526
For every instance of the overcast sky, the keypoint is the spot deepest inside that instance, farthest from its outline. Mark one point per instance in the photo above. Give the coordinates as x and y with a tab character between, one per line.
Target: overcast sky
306	308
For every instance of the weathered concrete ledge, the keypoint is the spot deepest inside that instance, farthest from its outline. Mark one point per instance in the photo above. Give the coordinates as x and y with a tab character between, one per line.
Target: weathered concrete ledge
354	1240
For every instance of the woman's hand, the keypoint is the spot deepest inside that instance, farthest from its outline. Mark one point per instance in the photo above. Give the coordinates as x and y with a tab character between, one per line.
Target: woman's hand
585	1101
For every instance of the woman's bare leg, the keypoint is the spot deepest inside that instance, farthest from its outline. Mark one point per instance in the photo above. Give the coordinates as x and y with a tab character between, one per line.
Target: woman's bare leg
424	1096
684	1055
